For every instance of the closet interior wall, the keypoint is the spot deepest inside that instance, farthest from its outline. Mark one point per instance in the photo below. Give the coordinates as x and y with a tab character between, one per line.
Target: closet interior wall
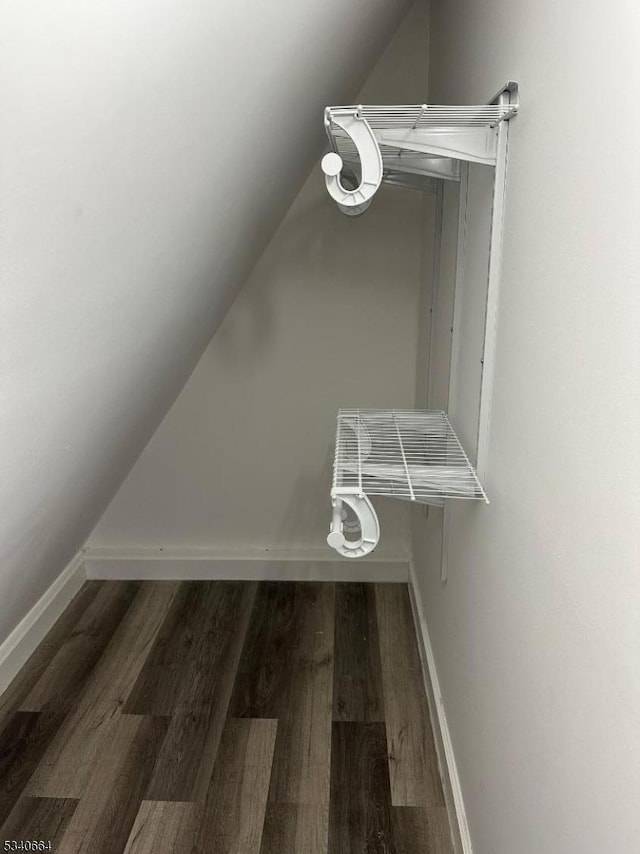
328	318
535	634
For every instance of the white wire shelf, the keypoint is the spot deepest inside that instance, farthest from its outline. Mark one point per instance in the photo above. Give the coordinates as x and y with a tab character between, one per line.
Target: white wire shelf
432	140
411	455
407	454
439	131
416	116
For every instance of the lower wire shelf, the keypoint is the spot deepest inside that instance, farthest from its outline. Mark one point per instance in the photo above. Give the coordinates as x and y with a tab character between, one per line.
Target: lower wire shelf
408	454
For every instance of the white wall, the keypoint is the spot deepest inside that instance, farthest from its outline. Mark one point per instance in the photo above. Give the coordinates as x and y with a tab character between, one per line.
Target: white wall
327	319
149	150
537	633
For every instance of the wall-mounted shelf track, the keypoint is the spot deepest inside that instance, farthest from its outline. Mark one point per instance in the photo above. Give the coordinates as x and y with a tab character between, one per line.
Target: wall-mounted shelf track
411	455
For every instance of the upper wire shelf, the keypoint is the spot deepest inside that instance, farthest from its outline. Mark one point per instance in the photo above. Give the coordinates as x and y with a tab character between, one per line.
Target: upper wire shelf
415	116
392	143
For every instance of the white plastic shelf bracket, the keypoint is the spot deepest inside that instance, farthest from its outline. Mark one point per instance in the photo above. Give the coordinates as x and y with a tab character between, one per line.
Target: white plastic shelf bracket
354	201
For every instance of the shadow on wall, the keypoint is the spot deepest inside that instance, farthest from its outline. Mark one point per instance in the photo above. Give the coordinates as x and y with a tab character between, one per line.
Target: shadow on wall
312	237
303	508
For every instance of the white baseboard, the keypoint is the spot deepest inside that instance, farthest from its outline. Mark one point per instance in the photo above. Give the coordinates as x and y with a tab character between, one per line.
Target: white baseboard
31	630
444	747
198	565
380	555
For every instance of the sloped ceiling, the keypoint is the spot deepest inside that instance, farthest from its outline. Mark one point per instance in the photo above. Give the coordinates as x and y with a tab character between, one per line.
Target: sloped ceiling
150	151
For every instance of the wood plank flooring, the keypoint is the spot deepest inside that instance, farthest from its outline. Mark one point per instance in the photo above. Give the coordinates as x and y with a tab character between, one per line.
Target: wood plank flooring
226	717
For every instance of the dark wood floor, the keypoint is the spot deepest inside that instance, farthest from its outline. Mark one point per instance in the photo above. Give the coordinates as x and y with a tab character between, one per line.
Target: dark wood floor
226	717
